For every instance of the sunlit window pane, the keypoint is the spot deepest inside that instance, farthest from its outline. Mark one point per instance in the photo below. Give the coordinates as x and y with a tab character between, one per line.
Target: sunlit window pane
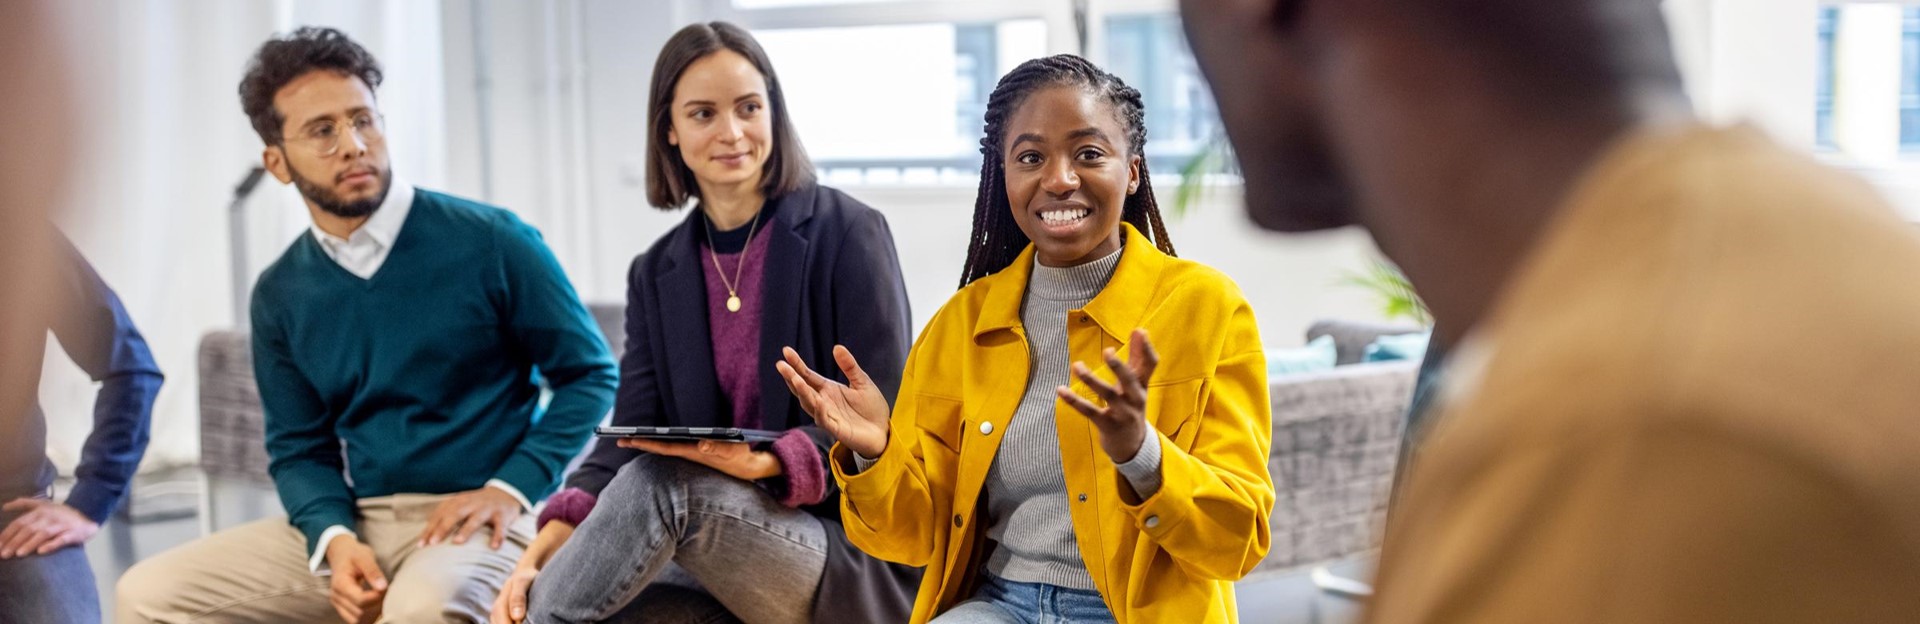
1823	82
902	96
1151	54
773	4
1910	81
1832	72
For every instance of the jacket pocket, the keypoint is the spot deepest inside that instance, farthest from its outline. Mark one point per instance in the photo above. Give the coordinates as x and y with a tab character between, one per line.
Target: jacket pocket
1174	407
940	418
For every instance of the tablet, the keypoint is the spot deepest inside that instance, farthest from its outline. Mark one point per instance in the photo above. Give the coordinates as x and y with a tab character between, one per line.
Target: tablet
724	434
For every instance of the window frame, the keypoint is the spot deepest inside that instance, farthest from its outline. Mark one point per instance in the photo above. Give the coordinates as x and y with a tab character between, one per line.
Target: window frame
1063	20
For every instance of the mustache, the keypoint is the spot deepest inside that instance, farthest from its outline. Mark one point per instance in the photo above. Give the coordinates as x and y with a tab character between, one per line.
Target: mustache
376	171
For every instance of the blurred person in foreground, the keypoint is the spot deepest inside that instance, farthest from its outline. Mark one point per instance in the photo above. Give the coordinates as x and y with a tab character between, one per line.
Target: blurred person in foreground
1681	385
44	576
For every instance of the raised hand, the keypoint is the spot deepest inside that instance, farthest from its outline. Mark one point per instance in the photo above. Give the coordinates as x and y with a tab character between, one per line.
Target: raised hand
1122	422
854	412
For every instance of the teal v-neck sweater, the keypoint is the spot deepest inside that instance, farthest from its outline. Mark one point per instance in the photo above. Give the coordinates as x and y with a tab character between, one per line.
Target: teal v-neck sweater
422	379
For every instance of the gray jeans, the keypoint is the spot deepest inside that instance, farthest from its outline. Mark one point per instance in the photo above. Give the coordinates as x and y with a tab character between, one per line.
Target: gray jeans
674	541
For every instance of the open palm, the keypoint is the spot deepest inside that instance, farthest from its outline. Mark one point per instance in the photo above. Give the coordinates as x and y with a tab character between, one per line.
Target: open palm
855	412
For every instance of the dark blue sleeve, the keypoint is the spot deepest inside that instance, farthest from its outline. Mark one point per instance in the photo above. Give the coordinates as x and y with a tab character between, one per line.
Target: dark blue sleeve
95	331
871	315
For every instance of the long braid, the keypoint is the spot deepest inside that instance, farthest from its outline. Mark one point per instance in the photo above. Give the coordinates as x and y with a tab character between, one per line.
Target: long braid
997	239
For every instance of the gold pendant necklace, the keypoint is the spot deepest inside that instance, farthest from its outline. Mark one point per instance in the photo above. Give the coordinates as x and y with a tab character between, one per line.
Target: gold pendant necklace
733	294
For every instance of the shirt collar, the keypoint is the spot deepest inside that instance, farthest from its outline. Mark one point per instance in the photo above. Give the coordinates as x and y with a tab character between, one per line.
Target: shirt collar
384	226
1117	309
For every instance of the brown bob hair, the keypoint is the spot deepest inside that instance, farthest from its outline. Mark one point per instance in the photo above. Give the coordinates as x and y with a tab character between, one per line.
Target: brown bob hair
670	183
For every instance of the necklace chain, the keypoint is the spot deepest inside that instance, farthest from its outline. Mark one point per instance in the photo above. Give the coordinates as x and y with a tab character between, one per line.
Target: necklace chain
733	295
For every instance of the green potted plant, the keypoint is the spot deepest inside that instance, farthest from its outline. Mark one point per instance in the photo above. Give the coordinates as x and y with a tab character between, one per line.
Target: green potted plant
1396	295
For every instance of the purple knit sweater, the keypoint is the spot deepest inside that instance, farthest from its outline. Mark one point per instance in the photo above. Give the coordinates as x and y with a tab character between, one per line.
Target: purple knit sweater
736	349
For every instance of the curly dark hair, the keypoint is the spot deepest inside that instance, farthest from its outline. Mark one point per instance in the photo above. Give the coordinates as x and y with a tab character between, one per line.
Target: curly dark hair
997	239
284	58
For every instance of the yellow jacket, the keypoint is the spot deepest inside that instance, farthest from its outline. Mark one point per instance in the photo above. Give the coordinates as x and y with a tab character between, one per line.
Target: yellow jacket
1170	558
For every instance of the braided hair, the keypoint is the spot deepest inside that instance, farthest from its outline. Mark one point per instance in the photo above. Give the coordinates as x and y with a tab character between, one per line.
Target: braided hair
997	239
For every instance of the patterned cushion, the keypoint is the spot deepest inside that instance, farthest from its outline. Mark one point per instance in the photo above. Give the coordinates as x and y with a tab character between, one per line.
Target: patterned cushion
231	431
1336	438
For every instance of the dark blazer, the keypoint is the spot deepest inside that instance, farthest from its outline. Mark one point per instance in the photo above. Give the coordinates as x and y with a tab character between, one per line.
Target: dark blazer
831	277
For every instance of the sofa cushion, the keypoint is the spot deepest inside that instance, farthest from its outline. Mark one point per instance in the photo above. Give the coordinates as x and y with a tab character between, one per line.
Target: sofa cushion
1318	355
1350	338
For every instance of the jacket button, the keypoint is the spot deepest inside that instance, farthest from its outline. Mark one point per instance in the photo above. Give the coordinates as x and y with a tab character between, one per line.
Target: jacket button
986	427
1152	521
956	520
1084	319
1083	498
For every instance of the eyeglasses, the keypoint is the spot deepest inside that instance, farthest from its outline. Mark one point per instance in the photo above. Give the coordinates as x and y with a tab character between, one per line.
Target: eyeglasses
323	137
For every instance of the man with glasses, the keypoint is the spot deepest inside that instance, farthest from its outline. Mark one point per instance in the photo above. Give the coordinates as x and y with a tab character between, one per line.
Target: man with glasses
398	349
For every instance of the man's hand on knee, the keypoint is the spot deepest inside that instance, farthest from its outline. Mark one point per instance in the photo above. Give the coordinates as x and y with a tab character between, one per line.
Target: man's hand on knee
358	585
464	514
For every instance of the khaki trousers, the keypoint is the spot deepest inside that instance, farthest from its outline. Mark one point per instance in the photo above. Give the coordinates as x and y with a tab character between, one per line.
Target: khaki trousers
257	572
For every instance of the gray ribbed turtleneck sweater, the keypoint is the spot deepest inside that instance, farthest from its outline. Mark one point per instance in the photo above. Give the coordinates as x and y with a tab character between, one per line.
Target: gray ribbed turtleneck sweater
1027	500
1026	491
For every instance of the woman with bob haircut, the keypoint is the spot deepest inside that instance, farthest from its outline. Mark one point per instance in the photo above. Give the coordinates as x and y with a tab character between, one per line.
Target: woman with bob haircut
722	531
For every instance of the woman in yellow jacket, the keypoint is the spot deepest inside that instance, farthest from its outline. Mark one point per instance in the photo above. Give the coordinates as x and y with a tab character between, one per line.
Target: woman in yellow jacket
1031	489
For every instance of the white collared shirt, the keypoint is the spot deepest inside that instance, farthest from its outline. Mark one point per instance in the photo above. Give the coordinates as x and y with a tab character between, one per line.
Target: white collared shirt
362	252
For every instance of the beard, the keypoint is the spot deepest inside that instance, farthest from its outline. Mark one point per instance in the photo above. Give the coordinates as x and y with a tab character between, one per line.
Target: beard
331	202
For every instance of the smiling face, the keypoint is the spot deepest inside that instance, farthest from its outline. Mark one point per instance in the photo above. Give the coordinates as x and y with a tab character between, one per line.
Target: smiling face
1068	174
328	111
720	121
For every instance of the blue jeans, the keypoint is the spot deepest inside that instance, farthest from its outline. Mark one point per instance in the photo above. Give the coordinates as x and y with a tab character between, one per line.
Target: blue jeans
1000	601
56	588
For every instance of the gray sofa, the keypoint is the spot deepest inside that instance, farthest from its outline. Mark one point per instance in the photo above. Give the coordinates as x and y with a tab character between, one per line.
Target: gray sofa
1336	438
1336	441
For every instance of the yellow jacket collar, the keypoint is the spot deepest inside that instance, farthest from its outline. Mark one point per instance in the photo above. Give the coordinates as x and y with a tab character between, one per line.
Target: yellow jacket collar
1117	309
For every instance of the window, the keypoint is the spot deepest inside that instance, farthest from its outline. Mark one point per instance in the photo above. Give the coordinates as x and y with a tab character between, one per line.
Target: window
1151	54
1867	87
895	91
1910	80
775	4
897	103
1823	81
